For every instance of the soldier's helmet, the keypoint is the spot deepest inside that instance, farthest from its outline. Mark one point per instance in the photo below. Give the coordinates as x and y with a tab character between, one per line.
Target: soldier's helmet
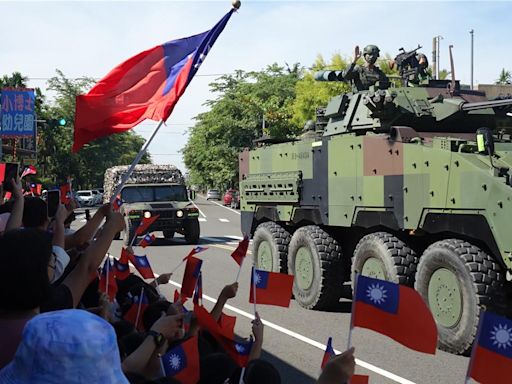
371	50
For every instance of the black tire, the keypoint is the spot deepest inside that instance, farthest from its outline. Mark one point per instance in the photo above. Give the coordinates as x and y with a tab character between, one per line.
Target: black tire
326	286
278	239
479	280
169	234
192	231
399	262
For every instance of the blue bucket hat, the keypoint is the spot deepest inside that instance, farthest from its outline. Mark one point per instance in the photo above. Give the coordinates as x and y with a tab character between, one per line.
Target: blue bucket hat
69	346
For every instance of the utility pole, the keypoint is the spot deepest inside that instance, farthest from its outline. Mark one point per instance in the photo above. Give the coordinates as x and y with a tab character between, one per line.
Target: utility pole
472	35
434	58
438	37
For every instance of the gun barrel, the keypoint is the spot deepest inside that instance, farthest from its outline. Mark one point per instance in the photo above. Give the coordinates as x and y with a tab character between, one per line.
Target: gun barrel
328	76
485	104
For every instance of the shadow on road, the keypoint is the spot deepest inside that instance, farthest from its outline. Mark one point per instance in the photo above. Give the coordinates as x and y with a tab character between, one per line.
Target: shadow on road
289	374
178	240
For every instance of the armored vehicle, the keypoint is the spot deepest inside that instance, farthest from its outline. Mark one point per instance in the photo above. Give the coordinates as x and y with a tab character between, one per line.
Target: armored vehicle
154	190
410	184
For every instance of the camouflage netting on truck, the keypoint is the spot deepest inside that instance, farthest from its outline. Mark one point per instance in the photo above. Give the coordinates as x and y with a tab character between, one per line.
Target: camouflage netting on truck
142	174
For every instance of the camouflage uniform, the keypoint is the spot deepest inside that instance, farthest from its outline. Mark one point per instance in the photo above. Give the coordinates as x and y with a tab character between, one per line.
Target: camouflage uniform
362	76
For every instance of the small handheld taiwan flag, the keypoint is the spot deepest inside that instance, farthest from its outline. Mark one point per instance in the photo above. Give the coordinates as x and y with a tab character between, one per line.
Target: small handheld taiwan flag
192	271
271	288
491	360
121	267
182	362
30	170
108	282
328	354
141	263
136	311
116	204
240	251
195	251
145	224
147	240
396	311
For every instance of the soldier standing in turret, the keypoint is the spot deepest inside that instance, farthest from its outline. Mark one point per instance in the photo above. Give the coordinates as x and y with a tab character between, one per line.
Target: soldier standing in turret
364	76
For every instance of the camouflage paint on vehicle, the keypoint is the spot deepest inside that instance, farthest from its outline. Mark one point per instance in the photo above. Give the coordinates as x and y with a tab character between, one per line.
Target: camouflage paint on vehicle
404	162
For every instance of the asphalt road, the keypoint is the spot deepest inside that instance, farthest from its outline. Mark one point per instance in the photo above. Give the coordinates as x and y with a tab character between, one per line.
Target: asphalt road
294	337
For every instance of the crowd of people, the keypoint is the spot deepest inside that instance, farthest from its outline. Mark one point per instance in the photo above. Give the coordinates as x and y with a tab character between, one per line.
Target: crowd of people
57	326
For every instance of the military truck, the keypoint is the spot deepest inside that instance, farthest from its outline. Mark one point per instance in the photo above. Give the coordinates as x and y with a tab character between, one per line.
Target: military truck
410	184
154	190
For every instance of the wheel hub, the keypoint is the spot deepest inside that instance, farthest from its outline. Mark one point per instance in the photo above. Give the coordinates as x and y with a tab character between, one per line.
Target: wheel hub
445	297
374	268
304	268
264	256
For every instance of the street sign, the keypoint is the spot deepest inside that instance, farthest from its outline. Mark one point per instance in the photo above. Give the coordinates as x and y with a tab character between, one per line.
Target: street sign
17	115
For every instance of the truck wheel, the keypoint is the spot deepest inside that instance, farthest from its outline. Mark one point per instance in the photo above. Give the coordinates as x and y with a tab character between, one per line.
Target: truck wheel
192	231
456	279
383	256
314	258
168	234
270	247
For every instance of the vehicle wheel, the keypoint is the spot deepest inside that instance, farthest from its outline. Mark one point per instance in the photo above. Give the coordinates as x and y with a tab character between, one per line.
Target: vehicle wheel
168	234
383	256
456	279
192	231
314	258
270	247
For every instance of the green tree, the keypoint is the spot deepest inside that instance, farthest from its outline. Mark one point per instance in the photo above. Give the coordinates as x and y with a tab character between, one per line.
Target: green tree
248	105
505	77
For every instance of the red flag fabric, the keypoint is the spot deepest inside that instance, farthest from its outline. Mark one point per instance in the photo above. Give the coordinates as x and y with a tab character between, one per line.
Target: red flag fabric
146	86
145	224
227	322
491	359
121	267
2	172
117	204
178	297
107	280
30	170
141	263
271	288
359	379
36	189
198	291
238	351
139	306
182	362
240	251
65	193
147	240
328	354
194	251
190	276
396	311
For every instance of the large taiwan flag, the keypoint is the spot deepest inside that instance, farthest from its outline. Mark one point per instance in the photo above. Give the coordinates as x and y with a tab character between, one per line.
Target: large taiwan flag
395	311
146	86
491	360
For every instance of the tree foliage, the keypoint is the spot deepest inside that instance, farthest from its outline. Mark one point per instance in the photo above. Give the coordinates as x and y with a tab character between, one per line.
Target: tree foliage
248	105
55	160
504	78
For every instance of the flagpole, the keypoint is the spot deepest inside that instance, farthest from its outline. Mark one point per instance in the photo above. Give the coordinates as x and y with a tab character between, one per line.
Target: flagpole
138	307
349	341
108	273
161	365
241	381
239	270
254	288
141	153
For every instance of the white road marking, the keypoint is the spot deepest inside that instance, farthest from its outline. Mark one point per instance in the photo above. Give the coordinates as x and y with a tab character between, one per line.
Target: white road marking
306	340
223	206
202	219
201	212
224	220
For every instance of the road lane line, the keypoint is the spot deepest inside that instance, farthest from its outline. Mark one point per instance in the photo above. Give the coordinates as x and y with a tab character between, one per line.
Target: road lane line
202	219
307	340
201	212
223	206
224	220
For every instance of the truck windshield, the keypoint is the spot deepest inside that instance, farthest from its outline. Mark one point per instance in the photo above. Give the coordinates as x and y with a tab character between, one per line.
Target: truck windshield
148	193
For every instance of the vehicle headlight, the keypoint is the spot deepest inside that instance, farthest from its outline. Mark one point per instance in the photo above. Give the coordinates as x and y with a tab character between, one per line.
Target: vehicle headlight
179	213
147	214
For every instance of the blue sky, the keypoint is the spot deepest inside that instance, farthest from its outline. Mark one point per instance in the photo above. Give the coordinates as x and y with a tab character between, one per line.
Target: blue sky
89	38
